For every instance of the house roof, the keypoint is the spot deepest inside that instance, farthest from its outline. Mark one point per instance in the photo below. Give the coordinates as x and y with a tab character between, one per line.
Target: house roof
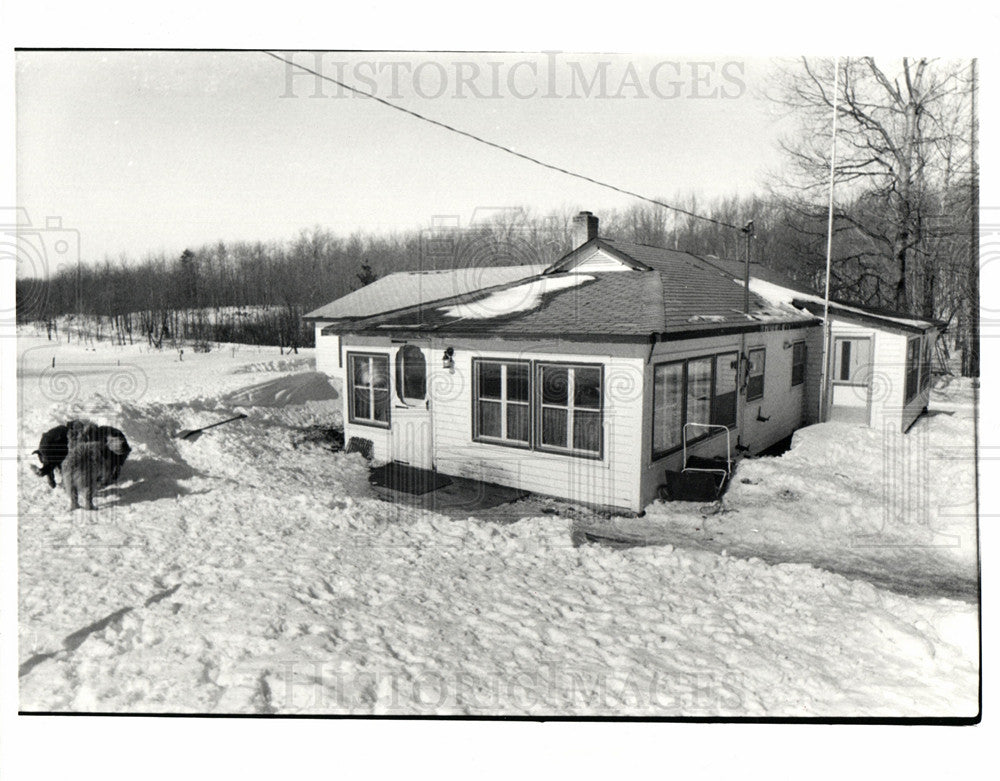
408	288
877	318
664	292
736	270
675	294
695	290
778	288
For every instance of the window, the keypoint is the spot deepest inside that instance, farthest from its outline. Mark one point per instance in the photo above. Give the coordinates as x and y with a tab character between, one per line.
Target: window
570	406
844	359
798	363
912	368
699	390
411	373
724	393
368	378
502	402
755	374
851	360
925	364
564	401
668	406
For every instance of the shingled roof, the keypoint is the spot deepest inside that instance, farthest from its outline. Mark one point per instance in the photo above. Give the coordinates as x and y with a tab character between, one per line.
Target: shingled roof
665	292
735	269
778	288
409	288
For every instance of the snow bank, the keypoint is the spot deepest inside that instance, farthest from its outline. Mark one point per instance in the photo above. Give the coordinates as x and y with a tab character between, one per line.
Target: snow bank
253	572
284	391
895	509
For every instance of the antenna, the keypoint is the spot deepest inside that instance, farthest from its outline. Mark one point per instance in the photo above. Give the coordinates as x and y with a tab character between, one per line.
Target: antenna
748	234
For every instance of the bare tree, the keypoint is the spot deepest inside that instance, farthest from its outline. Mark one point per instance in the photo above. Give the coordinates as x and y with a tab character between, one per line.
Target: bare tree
902	141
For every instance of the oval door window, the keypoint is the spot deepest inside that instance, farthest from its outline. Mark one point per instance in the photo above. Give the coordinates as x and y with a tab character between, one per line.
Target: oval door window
411	373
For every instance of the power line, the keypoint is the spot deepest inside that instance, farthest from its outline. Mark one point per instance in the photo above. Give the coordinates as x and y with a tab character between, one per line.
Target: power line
495	145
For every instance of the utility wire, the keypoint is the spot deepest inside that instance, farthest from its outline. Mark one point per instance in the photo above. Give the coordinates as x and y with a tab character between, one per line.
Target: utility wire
495	145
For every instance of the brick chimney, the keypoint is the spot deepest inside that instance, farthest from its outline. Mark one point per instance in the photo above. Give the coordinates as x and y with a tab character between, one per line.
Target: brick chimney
584	229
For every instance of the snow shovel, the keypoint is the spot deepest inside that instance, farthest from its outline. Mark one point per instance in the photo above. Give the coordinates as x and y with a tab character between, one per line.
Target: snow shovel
193	434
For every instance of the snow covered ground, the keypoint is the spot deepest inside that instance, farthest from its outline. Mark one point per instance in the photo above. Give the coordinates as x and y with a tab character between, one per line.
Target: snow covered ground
897	510
254	571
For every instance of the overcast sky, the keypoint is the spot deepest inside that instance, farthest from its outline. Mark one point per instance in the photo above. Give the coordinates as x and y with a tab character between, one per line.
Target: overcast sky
157	151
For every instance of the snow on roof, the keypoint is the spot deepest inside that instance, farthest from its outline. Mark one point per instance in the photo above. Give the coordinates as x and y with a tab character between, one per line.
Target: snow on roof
408	288
520	298
775	286
773	293
785	296
668	292
707	319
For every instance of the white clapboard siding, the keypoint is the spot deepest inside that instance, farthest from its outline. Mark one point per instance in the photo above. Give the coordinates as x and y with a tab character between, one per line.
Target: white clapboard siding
600	261
379	436
880	373
612	480
889	408
328	358
782	403
888	385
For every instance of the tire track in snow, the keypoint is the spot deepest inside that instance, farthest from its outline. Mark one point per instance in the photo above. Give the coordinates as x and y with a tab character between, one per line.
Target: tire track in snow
917	584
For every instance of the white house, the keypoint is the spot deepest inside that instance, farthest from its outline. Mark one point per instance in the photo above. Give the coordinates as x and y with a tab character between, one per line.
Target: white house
586	379
879	371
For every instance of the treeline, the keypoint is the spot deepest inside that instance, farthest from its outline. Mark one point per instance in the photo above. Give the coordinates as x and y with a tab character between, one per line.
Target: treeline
199	328
256	293
906	175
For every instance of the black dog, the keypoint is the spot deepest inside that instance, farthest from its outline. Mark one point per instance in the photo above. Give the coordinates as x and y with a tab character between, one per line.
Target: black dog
55	444
52	451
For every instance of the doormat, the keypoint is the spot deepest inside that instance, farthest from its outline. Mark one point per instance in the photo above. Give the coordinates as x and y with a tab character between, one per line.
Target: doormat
408	479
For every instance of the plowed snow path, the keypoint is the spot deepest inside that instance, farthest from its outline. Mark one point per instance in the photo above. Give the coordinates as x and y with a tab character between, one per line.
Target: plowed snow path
895	510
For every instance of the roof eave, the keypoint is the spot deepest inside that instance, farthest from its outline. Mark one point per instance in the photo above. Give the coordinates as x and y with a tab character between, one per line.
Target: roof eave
870	318
669	335
727	329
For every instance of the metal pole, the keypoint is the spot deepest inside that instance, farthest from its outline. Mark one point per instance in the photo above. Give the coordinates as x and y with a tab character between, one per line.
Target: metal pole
747	234
829	249
970	355
742	361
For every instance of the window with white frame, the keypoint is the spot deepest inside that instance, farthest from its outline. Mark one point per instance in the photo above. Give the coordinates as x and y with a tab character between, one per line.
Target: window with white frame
411	373
668	406
502	402
852	360
570	408
755	374
698	391
368	391
798	363
724	387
